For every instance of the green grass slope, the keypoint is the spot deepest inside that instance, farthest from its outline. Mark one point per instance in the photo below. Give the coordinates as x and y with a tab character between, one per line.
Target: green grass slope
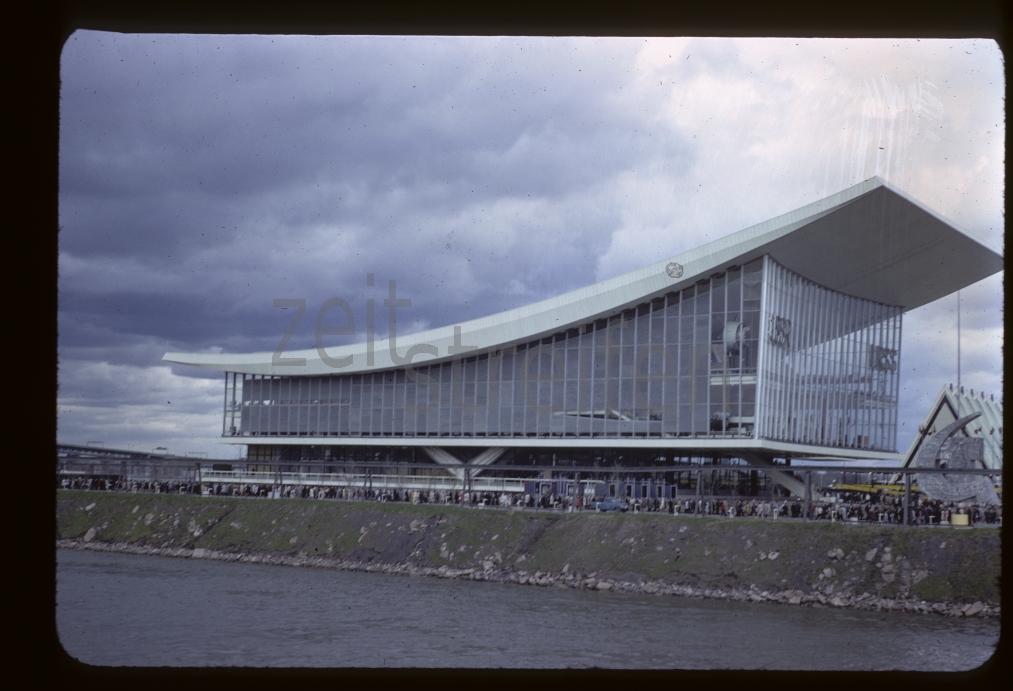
936	565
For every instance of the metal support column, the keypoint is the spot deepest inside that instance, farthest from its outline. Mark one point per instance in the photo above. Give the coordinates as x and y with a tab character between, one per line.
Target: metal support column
907	496
225	403
808	495
699	482
232	409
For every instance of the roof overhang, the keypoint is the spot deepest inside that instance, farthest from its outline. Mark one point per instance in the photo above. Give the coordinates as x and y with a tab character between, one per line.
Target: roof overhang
870	241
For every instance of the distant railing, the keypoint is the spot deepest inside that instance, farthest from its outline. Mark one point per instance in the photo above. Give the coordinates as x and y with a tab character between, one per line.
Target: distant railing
372	481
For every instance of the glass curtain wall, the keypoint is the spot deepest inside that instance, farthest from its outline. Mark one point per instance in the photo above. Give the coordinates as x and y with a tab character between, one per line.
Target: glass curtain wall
684	364
830	366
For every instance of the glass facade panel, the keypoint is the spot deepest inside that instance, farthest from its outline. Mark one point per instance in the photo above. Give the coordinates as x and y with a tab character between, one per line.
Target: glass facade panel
830	368
689	364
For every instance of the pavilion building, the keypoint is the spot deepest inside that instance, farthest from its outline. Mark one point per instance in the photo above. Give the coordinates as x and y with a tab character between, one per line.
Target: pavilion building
781	341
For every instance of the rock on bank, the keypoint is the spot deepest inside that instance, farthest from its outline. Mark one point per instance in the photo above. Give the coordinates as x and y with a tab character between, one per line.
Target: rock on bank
949	571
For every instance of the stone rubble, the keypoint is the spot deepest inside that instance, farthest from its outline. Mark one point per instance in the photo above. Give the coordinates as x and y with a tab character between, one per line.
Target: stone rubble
565	579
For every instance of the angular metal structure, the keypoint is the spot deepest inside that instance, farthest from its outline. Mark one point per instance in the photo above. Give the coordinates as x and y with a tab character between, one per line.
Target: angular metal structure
952	404
944	450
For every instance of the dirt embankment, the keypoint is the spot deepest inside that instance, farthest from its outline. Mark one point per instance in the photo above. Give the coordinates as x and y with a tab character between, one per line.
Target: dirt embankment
948	571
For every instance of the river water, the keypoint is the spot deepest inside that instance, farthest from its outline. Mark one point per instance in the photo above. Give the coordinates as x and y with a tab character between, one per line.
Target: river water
118	609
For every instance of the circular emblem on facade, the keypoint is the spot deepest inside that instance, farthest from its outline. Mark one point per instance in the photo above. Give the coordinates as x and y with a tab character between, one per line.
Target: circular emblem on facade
674	270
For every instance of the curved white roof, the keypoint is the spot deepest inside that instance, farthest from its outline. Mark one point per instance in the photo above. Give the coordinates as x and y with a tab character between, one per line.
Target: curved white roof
870	241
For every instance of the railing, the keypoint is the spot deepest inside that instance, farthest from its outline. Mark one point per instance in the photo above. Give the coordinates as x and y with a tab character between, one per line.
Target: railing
377	481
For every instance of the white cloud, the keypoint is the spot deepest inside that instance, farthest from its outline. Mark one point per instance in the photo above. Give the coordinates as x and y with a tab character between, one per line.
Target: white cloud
141	408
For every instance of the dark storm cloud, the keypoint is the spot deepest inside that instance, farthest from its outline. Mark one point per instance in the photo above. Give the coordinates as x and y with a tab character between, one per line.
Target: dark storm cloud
234	126
227	161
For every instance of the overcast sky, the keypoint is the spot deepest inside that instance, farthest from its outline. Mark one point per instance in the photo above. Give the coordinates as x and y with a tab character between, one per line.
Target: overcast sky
201	177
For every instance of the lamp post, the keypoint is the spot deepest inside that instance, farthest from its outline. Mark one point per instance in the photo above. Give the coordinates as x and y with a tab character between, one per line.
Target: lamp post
808	493
699	481
907	495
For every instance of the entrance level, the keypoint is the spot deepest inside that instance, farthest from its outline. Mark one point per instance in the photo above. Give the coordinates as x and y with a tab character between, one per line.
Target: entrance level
631	473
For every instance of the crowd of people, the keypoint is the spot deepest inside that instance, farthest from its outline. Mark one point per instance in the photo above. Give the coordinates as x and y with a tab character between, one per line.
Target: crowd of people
414	496
104	484
863	508
922	511
844	506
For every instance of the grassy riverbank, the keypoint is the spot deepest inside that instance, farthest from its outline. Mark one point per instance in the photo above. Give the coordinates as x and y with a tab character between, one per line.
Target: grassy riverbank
819	563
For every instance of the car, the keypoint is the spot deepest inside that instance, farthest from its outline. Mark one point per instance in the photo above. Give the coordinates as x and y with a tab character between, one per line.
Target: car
611	505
